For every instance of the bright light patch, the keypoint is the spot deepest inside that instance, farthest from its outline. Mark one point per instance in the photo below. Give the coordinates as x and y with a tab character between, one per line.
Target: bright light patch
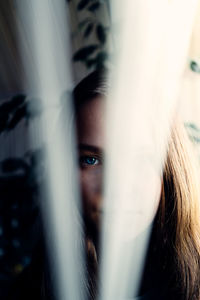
48	76
153	44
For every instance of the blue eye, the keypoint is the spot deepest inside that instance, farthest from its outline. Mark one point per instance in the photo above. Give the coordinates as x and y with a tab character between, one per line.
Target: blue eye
88	161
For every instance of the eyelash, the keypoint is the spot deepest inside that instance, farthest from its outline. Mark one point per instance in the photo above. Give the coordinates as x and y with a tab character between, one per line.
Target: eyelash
84	161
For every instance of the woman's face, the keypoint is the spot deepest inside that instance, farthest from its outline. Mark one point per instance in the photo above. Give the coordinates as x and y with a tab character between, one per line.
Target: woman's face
91	146
90	126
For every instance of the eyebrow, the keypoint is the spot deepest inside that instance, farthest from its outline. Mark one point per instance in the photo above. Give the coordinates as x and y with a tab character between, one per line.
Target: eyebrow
90	148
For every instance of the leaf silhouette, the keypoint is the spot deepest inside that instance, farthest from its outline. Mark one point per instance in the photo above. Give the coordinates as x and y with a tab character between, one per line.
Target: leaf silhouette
194	66
17	117
192	126
88	30
9	109
13	104
93	7
82	4
101	34
83	53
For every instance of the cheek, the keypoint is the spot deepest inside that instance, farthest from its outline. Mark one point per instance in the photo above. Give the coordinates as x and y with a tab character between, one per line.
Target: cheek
91	187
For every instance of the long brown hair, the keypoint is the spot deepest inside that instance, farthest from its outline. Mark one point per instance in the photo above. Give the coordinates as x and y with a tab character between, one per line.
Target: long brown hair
178	217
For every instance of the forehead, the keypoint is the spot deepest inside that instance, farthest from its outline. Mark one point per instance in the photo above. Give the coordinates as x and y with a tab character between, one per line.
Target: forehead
90	122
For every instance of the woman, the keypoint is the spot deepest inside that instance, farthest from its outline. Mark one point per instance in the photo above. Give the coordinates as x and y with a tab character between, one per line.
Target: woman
172	268
173	260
